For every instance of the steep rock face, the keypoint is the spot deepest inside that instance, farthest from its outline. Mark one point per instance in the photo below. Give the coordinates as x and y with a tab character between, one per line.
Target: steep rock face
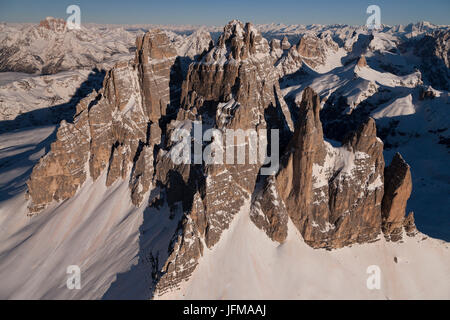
231	87
285	45
51	47
311	49
268	211
155	58
56	25
362	62
237	78
314	49
187	249
398	187
61	172
409	225
114	129
289	63
332	194
234	67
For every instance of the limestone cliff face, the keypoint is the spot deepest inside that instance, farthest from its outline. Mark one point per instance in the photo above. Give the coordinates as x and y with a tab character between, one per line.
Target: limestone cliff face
154	59
236	80
332	194
314	49
114	130
362	62
398	187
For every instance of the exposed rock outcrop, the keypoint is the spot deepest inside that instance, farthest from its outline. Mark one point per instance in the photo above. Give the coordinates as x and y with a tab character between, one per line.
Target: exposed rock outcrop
56	25
231	87
409	225
113	130
236	79
314	49
285	45
154	59
332	194
362	62
398	187
130	129
269	213
311	49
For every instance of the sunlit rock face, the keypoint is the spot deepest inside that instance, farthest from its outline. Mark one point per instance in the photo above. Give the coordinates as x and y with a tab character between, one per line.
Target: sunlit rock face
114	129
334	194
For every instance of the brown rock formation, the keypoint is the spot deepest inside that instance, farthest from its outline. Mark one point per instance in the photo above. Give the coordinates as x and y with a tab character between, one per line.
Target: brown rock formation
398	187
311	49
54	24
155	58
127	130
362	62
238	78
409	225
332	195
269	213
285	45
113	130
314	49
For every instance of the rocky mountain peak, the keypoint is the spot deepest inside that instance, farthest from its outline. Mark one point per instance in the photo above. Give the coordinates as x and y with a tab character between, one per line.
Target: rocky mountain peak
398	187
53	24
335	194
238	42
314	49
332	194
285	44
239	66
154	45
311	49
364	138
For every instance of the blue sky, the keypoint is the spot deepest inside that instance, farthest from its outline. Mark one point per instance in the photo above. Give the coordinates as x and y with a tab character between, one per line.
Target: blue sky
220	12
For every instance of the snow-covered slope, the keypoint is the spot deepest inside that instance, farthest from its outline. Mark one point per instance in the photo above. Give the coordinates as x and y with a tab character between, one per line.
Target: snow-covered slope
52	49
246	264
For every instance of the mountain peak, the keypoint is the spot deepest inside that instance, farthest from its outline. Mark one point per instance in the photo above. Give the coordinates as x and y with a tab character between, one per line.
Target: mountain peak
53	24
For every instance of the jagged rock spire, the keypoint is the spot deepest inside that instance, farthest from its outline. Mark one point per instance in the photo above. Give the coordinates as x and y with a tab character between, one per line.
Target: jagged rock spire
398	187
